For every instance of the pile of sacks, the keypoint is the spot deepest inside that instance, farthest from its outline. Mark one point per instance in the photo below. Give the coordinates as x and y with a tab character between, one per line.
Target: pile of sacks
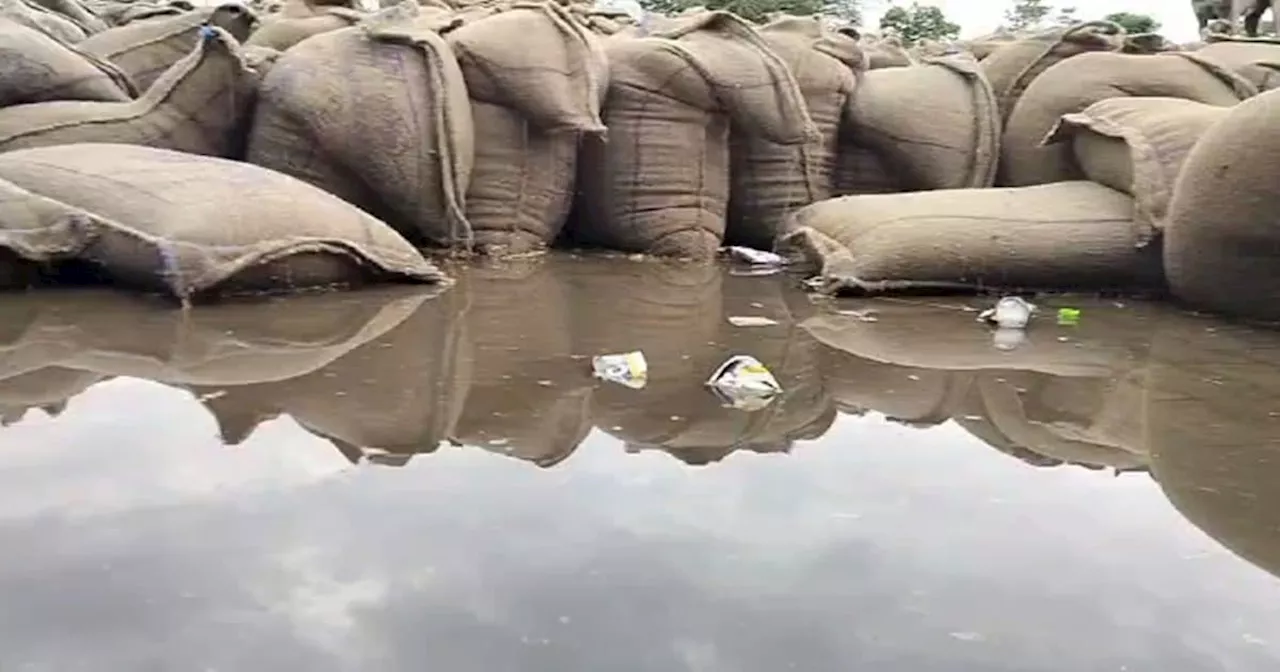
320	144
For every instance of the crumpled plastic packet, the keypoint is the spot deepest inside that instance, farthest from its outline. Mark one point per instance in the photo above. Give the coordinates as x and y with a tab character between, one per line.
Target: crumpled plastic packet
627	368
753	256
744	383
1010	312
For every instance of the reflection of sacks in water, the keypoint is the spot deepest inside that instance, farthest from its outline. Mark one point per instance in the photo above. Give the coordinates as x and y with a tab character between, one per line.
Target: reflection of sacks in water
201	105
677	316
914	396
400	393
145	49
47	389
1080	81
1213	430
1068	235
1089	421
232	344
528	398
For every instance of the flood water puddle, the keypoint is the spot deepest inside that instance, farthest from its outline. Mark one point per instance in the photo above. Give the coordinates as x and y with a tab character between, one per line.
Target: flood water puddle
407	480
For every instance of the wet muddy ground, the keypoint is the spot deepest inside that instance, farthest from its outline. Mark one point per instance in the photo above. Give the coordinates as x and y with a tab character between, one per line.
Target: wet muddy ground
406	480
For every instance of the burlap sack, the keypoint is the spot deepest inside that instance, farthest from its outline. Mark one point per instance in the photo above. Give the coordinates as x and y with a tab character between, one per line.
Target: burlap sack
676	314
46	21
145	49
537	81
886	52
202	105
1137	146
769	180
1013	67
39	68
1071	235
1221	244
77	12
188	226
1256	60
378	115
528	398
283	31
935	125
1080	81
383	401
860	170
660	182
124	13
1211	431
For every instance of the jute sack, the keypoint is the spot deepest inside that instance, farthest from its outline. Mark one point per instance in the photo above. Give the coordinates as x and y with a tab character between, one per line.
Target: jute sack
769	180
1070	235
1083	80
49	22
188	226
886	52
202	105
862	171
1221	245
124	13
1137	146
528	397
39	68
85	19
145	49
282	32
378	115
1013	66
1256	60
935	125
659	184
537	80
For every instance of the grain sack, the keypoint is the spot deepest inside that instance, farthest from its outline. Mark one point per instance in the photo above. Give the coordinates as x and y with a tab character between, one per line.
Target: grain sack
378	115
1256	60
1072	235
660	182
769	180
934	125
1222	243
528	398
1147	43
537	81
282	32
82	17
201	105
862	171
124	13
188	226
145	49
46	21
383	401
1013	67
885	52
39	68
1137	146
1078	82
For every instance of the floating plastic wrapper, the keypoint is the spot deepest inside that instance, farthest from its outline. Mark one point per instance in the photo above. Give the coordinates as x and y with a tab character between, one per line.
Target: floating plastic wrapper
1068	316
744	383
628	368
1010	312
753	256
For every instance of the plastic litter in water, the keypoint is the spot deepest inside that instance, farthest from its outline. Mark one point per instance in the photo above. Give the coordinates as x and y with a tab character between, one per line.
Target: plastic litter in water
1010	312
744	383
1068	316
628	368
754	256
751	321
1006	338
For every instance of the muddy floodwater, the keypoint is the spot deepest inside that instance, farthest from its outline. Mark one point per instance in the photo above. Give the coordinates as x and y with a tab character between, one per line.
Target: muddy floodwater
404	479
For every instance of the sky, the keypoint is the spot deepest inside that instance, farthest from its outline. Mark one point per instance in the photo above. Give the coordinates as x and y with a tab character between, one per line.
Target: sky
1178	23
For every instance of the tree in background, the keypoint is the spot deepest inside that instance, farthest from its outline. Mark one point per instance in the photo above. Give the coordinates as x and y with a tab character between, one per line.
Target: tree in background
1026	15
1134	23
1066	17
919	22
760	10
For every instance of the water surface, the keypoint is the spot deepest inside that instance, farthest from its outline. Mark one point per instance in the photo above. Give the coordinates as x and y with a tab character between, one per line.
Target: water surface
406	480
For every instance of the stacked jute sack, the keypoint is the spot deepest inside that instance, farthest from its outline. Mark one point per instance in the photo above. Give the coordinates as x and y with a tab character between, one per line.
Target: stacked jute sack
504	127
1123	164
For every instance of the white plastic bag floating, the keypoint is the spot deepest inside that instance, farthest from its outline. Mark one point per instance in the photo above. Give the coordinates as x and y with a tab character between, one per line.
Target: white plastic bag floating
1010	312
744	383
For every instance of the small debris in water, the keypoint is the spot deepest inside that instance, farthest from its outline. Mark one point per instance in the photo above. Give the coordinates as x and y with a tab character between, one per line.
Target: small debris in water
1068	316
754	256
913	377
744	383
209	396
751	321
676	418
546	383
860	315
1010	312
629	369
498	442
967	636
